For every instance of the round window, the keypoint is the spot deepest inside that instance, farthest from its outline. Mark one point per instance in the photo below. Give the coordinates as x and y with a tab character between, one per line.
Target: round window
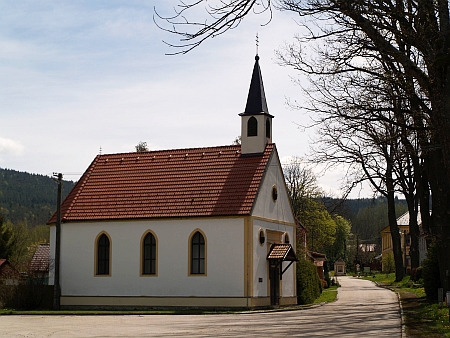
274	193
262	238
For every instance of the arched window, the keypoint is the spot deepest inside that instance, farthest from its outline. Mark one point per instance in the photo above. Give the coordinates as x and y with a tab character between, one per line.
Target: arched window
103	255
268	128
149	254
252	127
198	254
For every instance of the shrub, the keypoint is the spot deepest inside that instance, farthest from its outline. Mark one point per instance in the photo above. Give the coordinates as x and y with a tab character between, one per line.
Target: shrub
430	273
388	263
28	294
328	280
416	274
308	282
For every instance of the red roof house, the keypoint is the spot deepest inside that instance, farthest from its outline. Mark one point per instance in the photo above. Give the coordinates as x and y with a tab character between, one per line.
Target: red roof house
39	267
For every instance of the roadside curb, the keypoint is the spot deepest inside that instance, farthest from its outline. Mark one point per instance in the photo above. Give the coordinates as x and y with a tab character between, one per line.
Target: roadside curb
285	309
402	318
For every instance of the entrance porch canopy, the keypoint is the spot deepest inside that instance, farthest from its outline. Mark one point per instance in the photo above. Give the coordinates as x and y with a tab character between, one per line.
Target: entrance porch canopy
279	253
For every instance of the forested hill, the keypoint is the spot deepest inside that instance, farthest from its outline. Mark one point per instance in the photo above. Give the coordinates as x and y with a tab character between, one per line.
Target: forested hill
367	215
28	197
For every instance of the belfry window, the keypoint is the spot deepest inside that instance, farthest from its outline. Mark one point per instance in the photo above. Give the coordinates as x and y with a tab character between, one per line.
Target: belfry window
252	127
267	128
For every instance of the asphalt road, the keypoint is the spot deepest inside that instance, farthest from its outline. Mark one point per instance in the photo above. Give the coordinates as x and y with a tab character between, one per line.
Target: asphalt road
362	310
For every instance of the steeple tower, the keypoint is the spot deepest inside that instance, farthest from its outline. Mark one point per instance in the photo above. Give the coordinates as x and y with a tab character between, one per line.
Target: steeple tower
256	122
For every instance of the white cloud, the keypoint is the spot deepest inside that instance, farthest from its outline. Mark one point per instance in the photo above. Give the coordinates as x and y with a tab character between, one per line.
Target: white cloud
8	146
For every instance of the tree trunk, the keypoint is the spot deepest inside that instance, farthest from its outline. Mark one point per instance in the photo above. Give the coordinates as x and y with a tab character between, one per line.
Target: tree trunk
395	234
440	228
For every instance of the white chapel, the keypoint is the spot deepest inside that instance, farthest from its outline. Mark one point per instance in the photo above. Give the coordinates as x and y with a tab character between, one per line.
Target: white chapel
200	227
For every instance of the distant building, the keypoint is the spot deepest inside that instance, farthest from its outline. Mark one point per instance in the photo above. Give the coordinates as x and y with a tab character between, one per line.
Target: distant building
39	267
403	225
202	227
318	259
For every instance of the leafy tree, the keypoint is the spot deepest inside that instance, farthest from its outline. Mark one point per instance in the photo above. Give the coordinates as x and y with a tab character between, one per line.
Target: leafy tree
5	235
320	226
141	147
23	241
338	249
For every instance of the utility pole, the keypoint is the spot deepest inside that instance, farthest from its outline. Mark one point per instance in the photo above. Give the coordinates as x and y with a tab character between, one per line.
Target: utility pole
57	287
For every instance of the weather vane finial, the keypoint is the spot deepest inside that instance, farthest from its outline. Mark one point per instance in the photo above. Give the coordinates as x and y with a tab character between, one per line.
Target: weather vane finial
257	43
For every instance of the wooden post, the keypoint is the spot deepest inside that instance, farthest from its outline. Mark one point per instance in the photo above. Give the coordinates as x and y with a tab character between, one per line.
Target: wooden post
57	287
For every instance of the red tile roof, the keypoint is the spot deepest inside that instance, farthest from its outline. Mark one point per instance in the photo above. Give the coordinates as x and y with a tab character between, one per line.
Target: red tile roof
283	252
214	181
40	260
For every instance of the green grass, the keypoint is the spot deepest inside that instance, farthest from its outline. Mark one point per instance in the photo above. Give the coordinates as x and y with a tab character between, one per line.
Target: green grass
327	295
422	317
405	285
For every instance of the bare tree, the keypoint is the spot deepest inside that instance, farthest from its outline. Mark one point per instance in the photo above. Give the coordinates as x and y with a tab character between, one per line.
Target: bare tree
141	147
410	38
301	183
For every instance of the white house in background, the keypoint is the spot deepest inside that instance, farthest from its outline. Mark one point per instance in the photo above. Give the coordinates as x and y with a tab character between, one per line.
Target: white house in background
203	227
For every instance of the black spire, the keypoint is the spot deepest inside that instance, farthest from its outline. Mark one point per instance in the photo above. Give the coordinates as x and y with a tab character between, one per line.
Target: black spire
256	100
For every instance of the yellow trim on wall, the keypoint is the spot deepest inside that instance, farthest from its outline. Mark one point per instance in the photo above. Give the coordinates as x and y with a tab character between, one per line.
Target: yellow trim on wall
275	221
141	260
117	302
288	301
96	255
248	256
190	253
273	236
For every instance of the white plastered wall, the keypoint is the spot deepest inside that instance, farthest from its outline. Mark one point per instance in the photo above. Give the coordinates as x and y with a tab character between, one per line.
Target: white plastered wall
276	216
261	265
225	259
255	144
265	206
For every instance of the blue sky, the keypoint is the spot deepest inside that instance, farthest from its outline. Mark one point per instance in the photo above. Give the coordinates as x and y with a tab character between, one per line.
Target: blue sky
79	75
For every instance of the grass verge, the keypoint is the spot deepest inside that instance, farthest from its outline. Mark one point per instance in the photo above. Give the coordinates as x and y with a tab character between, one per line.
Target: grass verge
328	295
422	317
